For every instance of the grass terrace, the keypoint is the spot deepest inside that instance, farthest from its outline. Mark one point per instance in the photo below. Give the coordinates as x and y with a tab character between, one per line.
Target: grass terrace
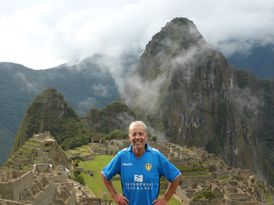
94	181
78	152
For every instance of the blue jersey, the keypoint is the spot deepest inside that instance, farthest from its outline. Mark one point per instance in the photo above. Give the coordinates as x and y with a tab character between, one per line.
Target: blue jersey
140	177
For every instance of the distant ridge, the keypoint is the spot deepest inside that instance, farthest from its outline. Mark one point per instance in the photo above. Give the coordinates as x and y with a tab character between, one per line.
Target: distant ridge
85	85
259	60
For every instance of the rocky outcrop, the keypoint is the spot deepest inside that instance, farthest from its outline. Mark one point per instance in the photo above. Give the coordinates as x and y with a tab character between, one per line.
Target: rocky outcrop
188	91
34	187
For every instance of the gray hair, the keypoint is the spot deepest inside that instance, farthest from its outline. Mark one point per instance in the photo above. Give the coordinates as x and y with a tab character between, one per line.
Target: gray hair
138	123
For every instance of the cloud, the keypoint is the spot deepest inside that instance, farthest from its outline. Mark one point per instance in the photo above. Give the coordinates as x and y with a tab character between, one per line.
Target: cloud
43	34
143	94
27	84
87	104
100	90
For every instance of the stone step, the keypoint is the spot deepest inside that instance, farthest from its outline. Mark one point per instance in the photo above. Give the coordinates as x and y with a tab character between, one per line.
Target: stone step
238	197
250	203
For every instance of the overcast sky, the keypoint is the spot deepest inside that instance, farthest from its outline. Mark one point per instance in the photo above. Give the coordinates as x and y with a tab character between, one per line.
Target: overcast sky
45	33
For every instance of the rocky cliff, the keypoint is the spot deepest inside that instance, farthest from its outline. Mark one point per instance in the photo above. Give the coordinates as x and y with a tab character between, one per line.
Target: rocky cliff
189	92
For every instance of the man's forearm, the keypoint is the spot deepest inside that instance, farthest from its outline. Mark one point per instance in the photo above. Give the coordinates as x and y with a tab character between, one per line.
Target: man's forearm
118	198
172	188
108	184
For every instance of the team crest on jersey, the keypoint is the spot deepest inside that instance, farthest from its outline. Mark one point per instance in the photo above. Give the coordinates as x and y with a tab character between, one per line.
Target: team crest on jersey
148	166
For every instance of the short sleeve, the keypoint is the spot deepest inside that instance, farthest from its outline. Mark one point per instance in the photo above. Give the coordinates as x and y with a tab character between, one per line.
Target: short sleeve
167	169
112	168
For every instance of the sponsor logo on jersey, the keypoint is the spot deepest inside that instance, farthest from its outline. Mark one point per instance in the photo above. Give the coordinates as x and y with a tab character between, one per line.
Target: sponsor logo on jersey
138	178
148	166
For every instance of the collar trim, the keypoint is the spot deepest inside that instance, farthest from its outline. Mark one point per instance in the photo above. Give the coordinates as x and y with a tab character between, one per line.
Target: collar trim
147	148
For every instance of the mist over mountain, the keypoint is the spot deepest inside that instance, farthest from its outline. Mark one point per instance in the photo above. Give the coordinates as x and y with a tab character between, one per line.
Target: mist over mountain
188	92
181	86
88	84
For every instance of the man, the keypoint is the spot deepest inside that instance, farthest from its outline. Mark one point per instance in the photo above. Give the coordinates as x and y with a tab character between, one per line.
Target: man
140	168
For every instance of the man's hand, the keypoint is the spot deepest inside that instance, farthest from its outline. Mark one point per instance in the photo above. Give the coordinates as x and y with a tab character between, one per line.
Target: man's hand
169	192
161	201
120	199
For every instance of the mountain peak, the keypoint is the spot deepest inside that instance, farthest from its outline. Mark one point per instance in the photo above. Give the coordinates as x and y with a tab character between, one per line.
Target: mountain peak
177	34
178	38
196	98
181	21
48	111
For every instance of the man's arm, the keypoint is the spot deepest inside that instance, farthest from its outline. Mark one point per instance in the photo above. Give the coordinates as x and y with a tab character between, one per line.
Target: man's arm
118	198
169	192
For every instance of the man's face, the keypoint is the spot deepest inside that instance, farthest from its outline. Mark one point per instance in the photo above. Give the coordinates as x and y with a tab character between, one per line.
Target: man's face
138	136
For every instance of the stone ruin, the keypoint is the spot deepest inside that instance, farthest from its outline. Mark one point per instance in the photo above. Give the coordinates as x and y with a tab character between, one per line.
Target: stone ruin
42	168
44	186
38	186
48	184
45	183
41	148
110	147
230	186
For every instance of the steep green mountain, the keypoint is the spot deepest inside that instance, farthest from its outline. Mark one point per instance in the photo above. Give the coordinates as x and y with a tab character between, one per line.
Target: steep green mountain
49	112
189	92
84	85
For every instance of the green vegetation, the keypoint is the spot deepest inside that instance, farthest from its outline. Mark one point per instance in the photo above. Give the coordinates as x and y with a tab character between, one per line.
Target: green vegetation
78	152
36	151
95	182
117	134
266	132
25	156
70	133
174	201
49	112
213	146
81	84
77	177
269	198
224	179
206	195
194	169
109	118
